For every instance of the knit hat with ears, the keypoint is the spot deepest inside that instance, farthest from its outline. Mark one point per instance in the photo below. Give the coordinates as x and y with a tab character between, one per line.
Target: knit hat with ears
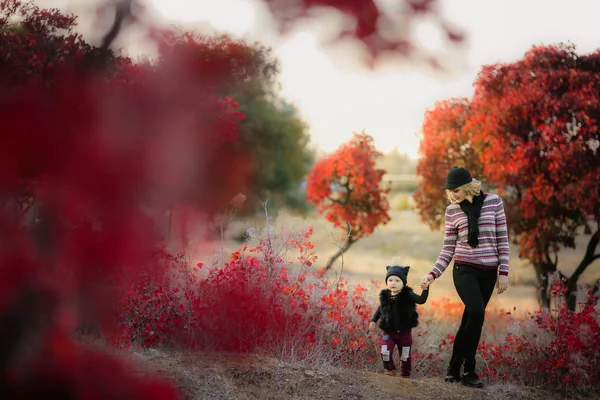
399	271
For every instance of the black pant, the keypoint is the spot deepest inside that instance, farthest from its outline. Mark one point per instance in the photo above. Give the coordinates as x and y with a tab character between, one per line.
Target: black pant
474	286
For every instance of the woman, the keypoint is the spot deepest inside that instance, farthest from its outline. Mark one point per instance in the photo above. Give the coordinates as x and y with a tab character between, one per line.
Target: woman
476	237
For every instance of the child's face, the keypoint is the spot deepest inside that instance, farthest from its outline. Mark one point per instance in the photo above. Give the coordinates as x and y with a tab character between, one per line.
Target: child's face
395	284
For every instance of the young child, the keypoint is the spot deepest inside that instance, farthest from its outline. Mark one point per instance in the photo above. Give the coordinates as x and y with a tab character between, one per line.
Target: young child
398	313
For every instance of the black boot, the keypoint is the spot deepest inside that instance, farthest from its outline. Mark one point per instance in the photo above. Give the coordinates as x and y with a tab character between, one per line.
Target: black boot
453	375
452	378
472	380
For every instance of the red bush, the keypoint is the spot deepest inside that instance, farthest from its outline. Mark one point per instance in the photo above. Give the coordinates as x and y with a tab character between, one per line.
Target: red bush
551	348
555	349
256	302
89	143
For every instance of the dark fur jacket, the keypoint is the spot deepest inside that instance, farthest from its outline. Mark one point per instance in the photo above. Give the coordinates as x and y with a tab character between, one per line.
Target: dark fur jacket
399	312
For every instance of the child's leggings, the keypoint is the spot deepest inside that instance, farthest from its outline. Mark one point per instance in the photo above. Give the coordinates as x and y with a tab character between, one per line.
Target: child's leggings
403	339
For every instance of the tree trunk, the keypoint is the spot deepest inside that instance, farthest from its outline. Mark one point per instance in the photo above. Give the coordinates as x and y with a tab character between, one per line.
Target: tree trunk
589	258
543	282
543	269
349	242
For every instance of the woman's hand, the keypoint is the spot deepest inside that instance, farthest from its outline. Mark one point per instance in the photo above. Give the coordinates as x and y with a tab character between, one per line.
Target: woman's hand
426	281
502	283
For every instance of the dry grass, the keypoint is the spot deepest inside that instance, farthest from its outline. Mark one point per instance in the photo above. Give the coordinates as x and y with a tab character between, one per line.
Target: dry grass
233	376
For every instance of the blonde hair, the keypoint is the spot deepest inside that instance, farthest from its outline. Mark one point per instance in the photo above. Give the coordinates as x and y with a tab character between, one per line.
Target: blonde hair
471	190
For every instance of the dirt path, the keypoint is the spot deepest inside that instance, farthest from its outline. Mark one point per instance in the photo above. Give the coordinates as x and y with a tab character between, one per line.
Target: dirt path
221	376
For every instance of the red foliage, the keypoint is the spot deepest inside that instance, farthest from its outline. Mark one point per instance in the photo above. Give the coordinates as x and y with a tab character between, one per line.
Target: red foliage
258	302
32	49
444	144
66	369
346	186
559	349
367	22
85	151
538	119
531	131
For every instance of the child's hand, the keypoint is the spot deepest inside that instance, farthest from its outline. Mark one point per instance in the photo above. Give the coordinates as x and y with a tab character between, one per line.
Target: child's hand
372	326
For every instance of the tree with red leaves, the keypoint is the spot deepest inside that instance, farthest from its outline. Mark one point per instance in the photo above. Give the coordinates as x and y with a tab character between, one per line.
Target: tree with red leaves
531	129
31	48
346	187
538	124
88	151
444	144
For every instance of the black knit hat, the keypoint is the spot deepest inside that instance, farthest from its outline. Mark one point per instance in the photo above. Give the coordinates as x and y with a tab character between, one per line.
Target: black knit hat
457	177
400	272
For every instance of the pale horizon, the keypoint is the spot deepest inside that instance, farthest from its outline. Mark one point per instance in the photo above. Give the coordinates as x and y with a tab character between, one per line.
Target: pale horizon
337	95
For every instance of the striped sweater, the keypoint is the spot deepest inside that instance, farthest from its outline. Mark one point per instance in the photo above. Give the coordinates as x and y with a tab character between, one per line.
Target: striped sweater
493	249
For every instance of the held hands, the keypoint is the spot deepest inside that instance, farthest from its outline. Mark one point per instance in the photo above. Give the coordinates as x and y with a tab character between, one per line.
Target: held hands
502	283
426	281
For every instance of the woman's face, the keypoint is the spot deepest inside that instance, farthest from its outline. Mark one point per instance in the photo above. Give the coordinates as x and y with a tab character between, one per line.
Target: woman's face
457	195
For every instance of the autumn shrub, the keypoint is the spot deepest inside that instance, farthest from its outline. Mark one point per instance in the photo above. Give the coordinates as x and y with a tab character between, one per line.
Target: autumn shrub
260	300
558	349
552	348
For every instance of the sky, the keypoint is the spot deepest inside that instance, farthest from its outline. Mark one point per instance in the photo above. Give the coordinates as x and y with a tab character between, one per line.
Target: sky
337	95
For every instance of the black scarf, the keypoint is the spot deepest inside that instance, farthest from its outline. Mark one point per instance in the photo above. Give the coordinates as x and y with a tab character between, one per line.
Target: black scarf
473	211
